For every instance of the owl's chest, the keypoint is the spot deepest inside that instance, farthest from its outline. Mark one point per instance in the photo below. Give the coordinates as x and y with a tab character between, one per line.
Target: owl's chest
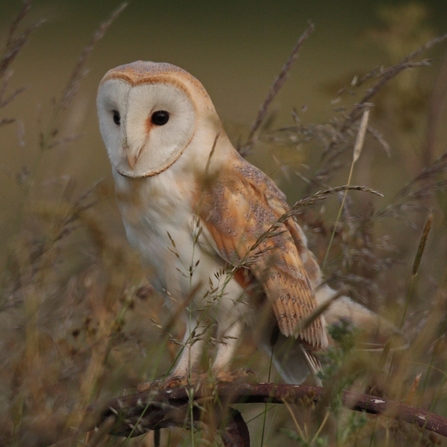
160	222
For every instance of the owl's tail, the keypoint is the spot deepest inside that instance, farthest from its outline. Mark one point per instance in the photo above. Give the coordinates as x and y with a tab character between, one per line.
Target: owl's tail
294	361
375	332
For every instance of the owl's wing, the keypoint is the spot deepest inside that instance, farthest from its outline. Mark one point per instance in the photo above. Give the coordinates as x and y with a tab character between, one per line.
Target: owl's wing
237	207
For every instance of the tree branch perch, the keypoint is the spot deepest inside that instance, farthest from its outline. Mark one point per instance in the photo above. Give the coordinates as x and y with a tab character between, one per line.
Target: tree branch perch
155	409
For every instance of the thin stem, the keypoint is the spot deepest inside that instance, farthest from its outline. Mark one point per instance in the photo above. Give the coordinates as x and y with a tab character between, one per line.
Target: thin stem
355	156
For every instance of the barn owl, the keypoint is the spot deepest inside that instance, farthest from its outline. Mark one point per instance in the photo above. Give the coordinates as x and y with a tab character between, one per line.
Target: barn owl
206	221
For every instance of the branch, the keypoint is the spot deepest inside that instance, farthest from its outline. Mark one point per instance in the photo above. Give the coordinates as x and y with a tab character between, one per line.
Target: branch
152	410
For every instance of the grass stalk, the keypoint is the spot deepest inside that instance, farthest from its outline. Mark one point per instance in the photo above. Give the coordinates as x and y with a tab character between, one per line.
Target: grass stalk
417	263
355	156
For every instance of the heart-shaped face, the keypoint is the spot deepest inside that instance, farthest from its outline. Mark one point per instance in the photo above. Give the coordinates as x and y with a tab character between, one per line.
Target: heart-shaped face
146	121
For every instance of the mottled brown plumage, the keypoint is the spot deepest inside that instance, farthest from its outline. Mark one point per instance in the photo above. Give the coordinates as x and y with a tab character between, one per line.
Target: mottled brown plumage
240	207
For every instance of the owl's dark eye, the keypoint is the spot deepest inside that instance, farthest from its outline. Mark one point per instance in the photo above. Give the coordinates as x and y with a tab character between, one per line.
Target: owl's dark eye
160	117
116	117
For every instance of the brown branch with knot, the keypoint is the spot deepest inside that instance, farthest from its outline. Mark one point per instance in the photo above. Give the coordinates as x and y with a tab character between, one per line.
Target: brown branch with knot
136	414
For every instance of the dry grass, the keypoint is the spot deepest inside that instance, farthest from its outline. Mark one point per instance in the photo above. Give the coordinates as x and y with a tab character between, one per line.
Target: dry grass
79	325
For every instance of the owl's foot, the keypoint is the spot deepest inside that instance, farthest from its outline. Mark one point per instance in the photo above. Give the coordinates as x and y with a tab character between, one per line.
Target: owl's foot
145	386
202	379
240	375
164	384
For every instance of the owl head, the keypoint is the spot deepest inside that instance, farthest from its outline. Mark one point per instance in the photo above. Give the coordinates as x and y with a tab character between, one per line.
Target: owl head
150	113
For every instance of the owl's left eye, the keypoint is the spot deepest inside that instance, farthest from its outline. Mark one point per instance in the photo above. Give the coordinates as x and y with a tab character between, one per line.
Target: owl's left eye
116	117
160	117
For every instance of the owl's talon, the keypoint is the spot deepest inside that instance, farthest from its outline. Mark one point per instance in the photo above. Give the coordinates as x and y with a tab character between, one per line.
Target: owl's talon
163	384
175	382
235	376
145	386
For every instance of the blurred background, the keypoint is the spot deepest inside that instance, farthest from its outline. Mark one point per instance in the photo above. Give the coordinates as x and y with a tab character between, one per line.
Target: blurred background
235	48
69	280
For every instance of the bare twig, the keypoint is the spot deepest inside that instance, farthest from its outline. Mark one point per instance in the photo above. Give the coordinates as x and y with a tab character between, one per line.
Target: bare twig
434	115
274	89
430	183
15	43
78	72
385	76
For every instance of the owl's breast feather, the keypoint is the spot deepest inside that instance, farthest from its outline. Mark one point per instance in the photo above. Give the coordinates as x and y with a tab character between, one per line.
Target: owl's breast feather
162	226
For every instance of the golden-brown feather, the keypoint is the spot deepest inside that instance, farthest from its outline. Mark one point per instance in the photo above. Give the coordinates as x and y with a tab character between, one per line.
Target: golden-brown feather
238	205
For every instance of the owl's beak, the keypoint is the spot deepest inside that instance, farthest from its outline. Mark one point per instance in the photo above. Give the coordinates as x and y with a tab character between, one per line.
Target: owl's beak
132	151
132	156
132	160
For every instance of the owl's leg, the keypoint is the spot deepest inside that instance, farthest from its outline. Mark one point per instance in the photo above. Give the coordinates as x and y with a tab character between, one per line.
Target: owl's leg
193	341
183	371
228	340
